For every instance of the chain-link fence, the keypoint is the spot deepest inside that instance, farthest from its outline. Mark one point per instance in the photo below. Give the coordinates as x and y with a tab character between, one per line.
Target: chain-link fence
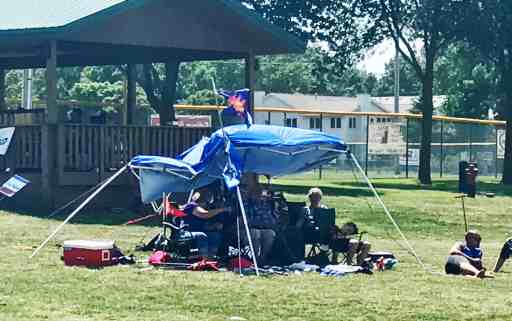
388	145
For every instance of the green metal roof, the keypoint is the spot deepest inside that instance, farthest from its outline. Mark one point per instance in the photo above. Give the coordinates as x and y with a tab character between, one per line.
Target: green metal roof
26	17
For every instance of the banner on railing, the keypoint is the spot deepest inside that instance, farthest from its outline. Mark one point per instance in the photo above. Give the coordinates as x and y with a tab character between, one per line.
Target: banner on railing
13	185
500	147
5	139
385	139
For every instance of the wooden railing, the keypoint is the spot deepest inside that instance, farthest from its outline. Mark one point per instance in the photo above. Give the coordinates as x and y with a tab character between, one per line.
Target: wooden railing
24	152
107	148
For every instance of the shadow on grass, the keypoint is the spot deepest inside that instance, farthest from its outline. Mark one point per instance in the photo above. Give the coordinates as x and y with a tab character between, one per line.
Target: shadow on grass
360	191
437	185
88	215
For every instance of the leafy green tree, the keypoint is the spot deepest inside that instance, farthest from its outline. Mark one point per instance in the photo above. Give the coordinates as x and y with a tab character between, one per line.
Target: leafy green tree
486	26
409	82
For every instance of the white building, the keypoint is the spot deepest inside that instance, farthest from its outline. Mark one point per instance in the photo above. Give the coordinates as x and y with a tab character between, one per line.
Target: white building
351	128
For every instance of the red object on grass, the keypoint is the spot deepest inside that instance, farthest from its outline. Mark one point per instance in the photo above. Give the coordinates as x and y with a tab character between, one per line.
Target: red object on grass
90	253
236	263
159	257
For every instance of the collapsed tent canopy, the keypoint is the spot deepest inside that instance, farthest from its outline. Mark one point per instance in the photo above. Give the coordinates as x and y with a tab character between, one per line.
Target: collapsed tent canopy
233	150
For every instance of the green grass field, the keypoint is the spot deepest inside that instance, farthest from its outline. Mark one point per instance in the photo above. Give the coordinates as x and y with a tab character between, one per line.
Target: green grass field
43	289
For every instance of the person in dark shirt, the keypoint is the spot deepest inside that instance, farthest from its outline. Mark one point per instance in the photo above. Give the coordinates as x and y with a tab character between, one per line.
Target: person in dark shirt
262	219
197	219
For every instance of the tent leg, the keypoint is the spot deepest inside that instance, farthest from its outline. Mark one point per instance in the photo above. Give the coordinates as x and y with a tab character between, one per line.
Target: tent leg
93	195
239	245
190	196
244	217
379	200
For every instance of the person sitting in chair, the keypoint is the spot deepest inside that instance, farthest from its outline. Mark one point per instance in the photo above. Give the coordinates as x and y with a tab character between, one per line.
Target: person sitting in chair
465	258
262	219
340	240
207	235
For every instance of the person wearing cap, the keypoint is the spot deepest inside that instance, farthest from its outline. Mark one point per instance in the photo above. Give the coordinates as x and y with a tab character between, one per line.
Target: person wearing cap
465	258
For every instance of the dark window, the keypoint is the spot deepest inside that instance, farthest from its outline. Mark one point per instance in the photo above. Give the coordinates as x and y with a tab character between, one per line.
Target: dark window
333	122
318	123
291	122
338	122
311	123
352	122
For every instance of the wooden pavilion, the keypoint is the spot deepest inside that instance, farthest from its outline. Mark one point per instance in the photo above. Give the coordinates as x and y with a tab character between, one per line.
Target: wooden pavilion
61	33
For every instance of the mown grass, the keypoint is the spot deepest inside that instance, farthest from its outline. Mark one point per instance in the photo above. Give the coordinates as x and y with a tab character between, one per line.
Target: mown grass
43	289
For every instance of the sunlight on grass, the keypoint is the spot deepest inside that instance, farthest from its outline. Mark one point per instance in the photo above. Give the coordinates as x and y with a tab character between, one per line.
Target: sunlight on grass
43	289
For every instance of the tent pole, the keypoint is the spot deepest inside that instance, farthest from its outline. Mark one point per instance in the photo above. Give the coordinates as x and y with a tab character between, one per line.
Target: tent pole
239	245
244	217
93	195
190	196
372	188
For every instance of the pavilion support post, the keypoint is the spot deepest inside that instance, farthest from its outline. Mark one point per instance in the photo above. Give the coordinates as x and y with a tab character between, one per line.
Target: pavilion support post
49	130
3	105
131	93
250	79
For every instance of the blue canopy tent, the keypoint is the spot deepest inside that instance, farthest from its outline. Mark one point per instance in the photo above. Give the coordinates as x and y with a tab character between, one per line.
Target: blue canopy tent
233	150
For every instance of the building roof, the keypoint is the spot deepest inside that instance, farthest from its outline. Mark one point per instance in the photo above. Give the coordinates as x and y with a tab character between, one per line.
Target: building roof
309	102
406	103
92	32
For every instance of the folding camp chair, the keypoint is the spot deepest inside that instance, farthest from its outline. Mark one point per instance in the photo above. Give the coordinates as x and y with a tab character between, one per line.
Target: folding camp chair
318	231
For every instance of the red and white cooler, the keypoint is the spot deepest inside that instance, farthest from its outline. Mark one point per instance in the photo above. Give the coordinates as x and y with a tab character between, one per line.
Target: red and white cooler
92	253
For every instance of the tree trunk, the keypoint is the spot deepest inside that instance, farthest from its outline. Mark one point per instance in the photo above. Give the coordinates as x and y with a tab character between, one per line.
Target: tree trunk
424	173
3	105
167	112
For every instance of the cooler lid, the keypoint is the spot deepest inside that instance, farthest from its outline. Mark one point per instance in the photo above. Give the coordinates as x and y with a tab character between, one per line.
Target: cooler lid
90	244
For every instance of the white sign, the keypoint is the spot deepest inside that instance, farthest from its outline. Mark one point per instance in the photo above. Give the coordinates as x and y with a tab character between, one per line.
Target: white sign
413	158
5	139
13	185
500	149
385	139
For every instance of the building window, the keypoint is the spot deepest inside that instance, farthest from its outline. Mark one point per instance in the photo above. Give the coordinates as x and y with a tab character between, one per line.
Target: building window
336	122
352	122
314	123
291	122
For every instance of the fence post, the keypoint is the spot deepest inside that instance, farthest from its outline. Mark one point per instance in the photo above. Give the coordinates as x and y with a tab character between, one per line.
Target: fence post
470	142
407	148
48	152
367	140
269	119
284	119
441	149
496	152
321	129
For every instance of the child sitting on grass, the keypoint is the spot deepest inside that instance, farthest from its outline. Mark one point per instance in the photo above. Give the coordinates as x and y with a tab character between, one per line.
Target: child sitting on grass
466	257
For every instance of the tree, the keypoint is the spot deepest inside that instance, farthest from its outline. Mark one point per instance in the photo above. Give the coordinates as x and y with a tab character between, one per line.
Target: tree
409	83
349	27
159	83
486	25
467	81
